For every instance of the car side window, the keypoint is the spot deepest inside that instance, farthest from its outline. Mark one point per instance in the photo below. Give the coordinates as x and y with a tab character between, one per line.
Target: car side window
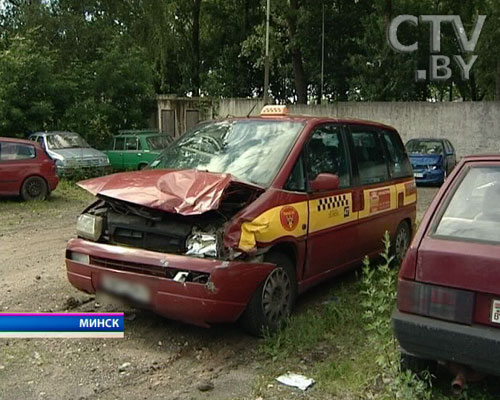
326	153
449	147
296	181
139	144
131	143
16	151
399	165
119	143
369	156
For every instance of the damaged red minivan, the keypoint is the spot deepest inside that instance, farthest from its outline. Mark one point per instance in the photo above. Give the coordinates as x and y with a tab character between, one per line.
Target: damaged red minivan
238	216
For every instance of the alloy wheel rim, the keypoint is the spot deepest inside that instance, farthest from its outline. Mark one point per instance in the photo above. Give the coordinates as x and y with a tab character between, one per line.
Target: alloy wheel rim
34	188
401	243
276	296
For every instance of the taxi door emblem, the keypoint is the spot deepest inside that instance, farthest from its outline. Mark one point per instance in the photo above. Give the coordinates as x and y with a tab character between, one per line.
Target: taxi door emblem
289	218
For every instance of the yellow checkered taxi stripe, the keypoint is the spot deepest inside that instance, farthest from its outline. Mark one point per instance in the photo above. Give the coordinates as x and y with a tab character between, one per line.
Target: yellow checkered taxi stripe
322	213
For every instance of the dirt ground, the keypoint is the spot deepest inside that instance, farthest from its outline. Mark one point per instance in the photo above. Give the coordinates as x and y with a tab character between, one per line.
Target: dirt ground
157	359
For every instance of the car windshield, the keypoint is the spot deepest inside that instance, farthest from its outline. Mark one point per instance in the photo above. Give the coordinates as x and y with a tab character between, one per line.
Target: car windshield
473	212
251	150
65	141
424	147
158	142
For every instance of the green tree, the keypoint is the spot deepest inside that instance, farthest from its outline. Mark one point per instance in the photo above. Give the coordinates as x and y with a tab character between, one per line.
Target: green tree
28	87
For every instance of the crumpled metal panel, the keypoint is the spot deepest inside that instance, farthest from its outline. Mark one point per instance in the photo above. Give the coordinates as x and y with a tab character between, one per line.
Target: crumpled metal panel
186	192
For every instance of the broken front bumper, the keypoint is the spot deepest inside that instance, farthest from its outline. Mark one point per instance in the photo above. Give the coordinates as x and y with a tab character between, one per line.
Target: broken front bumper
222	299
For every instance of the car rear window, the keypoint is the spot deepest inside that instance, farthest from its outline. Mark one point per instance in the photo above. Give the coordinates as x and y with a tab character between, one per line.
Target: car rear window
16	151
473	213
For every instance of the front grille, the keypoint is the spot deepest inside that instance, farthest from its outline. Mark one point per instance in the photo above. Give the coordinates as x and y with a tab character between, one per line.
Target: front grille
138	268
167	236
147	269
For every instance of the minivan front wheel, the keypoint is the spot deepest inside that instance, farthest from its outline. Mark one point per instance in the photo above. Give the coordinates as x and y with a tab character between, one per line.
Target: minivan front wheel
34	188
401	241
272	302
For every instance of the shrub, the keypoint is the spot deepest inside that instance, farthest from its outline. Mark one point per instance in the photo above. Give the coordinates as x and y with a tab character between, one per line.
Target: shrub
379	298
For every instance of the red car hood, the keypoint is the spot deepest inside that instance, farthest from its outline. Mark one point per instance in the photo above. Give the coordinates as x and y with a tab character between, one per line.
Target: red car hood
186	192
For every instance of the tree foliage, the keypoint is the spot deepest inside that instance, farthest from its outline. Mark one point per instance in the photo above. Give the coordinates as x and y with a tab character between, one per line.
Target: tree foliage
94	66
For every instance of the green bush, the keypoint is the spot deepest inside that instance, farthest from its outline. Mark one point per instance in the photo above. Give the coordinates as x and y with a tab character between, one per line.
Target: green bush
379	298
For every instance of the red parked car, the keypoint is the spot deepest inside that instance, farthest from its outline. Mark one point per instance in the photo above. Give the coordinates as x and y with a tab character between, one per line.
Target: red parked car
448	304
238	216
25	170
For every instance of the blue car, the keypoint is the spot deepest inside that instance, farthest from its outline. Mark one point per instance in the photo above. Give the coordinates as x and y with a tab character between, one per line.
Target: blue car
432	159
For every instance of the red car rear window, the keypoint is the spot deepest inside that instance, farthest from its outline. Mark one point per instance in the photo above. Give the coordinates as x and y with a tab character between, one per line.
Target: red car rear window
10	151
473	212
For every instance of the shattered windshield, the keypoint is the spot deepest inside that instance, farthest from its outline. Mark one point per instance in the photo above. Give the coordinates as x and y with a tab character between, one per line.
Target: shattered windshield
65	141
251	150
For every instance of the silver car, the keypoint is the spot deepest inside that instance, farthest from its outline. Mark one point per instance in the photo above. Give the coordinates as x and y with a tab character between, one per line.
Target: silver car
71	152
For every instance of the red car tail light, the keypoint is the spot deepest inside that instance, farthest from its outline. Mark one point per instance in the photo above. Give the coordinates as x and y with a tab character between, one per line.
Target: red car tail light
435	301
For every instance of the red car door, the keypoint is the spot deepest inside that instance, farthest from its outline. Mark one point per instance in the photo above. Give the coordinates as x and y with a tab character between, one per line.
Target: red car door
378	196
17	161
332	236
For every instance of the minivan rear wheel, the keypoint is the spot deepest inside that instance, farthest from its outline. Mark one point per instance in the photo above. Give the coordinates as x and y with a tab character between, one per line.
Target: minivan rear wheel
34	188
401	241
272	303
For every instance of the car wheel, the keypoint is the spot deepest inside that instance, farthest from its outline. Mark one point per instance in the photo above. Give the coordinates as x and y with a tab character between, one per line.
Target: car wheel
142	166
401	241
416	365
34	188
272	303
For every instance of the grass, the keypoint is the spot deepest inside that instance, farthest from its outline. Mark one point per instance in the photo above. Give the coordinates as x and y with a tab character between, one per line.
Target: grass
67	199
65	191
327	342
330	343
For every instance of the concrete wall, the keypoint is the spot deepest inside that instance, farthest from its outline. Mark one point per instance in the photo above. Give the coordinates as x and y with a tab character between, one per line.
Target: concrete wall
175	115
472	127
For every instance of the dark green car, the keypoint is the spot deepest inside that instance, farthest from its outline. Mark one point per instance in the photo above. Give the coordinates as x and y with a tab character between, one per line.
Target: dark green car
134	149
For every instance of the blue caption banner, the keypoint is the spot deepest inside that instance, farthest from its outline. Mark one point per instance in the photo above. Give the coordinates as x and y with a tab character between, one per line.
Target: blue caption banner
62	325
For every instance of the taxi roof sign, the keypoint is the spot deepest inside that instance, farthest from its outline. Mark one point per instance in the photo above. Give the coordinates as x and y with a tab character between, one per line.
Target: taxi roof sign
274	110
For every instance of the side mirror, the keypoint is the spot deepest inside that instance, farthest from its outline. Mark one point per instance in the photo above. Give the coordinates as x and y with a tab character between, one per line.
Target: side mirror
324	182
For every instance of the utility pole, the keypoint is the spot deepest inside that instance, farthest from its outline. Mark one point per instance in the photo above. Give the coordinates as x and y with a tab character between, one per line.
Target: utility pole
322	55
266	66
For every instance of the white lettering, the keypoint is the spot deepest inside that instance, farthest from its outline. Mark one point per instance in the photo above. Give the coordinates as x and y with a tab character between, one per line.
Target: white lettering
84	323
465	67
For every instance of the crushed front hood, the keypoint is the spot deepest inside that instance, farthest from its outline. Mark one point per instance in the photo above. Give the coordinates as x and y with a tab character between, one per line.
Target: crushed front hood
186	192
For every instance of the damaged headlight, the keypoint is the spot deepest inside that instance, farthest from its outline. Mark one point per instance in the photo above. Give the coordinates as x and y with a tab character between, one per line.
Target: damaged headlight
202	244
89	227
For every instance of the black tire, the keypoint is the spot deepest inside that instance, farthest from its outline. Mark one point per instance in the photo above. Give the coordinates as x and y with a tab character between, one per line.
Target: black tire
272	302
401	242
34	188
417	365
142	166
